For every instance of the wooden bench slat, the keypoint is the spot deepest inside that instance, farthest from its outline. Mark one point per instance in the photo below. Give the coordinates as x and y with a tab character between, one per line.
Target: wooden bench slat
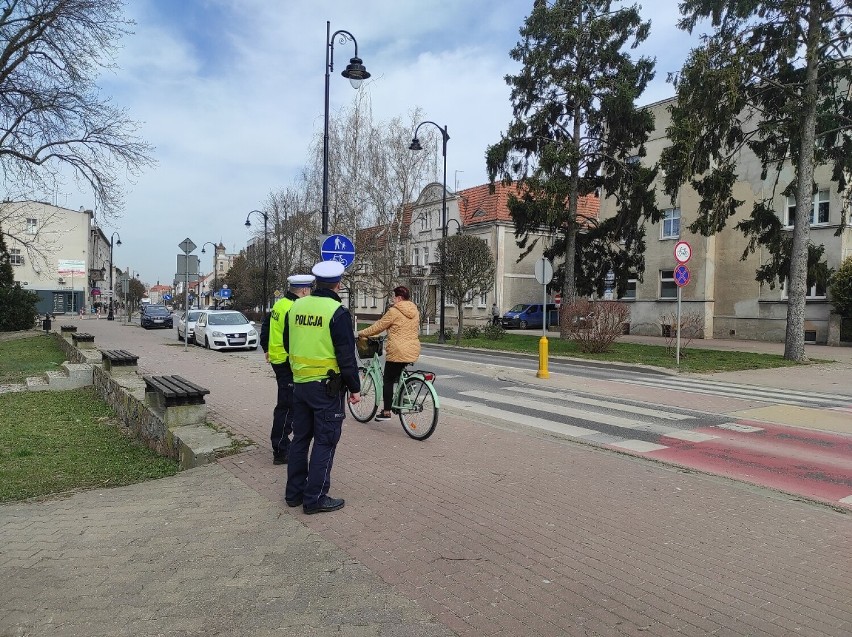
175	389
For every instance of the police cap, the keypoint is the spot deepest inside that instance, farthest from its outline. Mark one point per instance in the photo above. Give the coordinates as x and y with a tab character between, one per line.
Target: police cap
300	280
328	271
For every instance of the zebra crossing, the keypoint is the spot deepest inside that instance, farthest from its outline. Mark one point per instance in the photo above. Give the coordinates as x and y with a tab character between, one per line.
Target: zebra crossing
626	424
629	425
748	392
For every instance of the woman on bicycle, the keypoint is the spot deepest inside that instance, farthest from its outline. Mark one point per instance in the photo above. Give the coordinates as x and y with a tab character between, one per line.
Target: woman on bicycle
402	322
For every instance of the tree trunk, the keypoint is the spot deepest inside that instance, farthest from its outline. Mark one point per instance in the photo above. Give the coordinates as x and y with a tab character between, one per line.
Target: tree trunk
794	343
461	323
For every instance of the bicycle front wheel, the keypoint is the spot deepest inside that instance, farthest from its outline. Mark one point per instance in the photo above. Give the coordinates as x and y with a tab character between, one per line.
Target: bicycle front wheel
365	410
417	413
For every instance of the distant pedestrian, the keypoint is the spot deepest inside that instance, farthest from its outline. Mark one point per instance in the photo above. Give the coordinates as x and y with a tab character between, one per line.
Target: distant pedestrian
495	314
320	344
272	342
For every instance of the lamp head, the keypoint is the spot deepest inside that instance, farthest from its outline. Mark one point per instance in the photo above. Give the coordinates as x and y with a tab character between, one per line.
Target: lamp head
118	243
248	223
202	251
415	145
355	72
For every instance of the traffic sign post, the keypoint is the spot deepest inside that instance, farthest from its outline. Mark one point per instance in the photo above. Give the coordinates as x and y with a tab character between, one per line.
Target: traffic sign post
682	252
186	246
544	275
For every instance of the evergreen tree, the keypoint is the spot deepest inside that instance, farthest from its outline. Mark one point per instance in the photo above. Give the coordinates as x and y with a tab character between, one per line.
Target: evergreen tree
576	132
773	79
17	306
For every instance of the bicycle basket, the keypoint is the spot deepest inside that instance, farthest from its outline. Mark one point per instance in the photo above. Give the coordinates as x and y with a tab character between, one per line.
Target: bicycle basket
368	347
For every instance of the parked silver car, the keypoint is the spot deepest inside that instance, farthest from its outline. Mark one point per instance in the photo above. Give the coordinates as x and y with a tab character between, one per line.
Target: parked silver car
186	325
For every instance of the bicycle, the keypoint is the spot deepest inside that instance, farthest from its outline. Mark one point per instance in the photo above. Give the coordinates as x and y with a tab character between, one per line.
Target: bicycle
415	400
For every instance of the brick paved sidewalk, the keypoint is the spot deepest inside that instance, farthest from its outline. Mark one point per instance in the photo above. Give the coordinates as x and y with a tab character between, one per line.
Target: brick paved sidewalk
515	532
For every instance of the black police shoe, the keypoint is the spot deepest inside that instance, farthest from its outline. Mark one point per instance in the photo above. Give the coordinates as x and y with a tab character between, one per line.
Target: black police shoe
295	502
324	505
279	458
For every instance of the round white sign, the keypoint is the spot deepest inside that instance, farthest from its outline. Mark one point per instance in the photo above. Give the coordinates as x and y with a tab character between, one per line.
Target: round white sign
682	251
543	271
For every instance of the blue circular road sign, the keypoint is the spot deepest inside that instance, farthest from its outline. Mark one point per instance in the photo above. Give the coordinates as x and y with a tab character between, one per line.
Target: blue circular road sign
681	275
338	247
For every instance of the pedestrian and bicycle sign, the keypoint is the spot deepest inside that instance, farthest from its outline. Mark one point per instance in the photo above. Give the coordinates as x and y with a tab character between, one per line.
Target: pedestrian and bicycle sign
338	247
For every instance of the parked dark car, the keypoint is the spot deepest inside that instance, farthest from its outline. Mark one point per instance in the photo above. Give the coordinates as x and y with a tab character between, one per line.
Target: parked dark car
528	316
155	316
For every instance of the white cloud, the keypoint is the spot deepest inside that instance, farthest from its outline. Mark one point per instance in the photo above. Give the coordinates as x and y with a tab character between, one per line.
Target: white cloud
231	93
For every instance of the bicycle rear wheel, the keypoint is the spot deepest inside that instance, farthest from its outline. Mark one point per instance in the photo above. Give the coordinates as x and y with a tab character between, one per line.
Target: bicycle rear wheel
417	413
365	410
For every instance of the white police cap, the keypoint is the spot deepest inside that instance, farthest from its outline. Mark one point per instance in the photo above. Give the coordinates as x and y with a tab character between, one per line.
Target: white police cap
300	280
328	271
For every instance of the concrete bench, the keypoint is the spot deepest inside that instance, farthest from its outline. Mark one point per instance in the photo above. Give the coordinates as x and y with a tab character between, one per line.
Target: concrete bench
119	360
67	329
83	340
176	400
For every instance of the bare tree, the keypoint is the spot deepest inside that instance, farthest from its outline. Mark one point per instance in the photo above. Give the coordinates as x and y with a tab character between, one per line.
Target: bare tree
468	271
51	115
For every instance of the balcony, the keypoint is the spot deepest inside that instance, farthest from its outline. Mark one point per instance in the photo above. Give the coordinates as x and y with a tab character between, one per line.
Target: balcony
414	271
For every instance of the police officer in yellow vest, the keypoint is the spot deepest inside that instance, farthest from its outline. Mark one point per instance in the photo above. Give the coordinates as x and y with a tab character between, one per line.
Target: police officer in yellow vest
321	343
272	342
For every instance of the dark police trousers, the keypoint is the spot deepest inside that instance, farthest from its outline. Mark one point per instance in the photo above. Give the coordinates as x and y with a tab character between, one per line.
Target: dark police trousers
282	416
317	417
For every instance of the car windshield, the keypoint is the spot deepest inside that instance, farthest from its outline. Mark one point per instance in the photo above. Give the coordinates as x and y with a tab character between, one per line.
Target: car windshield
519	307
193	316
157	311
230	318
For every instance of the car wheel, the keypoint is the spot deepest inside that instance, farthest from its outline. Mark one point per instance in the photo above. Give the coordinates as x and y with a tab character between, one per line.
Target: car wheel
206	343
522	325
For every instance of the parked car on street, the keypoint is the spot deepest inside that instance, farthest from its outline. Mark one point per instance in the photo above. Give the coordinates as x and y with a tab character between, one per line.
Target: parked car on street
225	329
186	325
155	316
526	316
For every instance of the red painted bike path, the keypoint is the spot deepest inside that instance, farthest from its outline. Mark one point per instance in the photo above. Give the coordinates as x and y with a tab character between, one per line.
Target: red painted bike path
814	464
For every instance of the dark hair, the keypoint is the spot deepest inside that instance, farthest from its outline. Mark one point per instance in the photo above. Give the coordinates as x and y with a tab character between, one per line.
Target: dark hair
402	291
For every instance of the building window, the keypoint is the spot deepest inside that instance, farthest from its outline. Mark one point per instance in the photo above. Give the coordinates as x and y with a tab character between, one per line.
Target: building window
630	291
221	267
819	210
668	287
416	256
671	224
375	299
814	292
32	226
425	256
468	299
15	257
424	221
363	298
483	300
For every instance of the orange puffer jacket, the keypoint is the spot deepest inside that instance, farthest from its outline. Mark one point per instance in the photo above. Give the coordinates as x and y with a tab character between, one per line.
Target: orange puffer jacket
402	322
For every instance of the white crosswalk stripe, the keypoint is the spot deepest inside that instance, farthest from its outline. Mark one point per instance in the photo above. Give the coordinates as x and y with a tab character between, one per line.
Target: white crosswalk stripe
518	405
748	392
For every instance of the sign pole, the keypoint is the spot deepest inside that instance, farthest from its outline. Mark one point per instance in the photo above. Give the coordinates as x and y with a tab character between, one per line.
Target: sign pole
677	354
543	274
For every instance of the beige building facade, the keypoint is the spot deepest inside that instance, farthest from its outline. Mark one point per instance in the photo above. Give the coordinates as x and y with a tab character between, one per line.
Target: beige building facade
723	294
58	253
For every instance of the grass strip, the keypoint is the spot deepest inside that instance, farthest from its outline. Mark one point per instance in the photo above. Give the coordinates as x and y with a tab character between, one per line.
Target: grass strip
32	356
56	442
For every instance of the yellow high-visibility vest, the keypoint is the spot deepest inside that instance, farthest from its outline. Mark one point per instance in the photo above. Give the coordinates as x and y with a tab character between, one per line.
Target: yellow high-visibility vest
276	351
311	348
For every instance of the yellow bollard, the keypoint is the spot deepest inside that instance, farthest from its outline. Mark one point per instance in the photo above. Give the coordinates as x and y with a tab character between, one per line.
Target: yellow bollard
542	358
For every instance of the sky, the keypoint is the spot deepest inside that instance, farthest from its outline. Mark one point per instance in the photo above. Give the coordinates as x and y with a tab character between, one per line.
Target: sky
230	94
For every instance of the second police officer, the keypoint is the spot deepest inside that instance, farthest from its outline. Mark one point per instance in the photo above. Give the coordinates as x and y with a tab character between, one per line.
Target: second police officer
271	340
320	341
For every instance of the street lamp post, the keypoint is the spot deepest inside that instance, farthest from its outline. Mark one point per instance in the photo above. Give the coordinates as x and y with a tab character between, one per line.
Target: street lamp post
355	72
265	252
215	278
110	315
415	145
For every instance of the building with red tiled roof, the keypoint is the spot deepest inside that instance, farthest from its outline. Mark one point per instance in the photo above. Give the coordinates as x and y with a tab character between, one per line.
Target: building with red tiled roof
481	211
